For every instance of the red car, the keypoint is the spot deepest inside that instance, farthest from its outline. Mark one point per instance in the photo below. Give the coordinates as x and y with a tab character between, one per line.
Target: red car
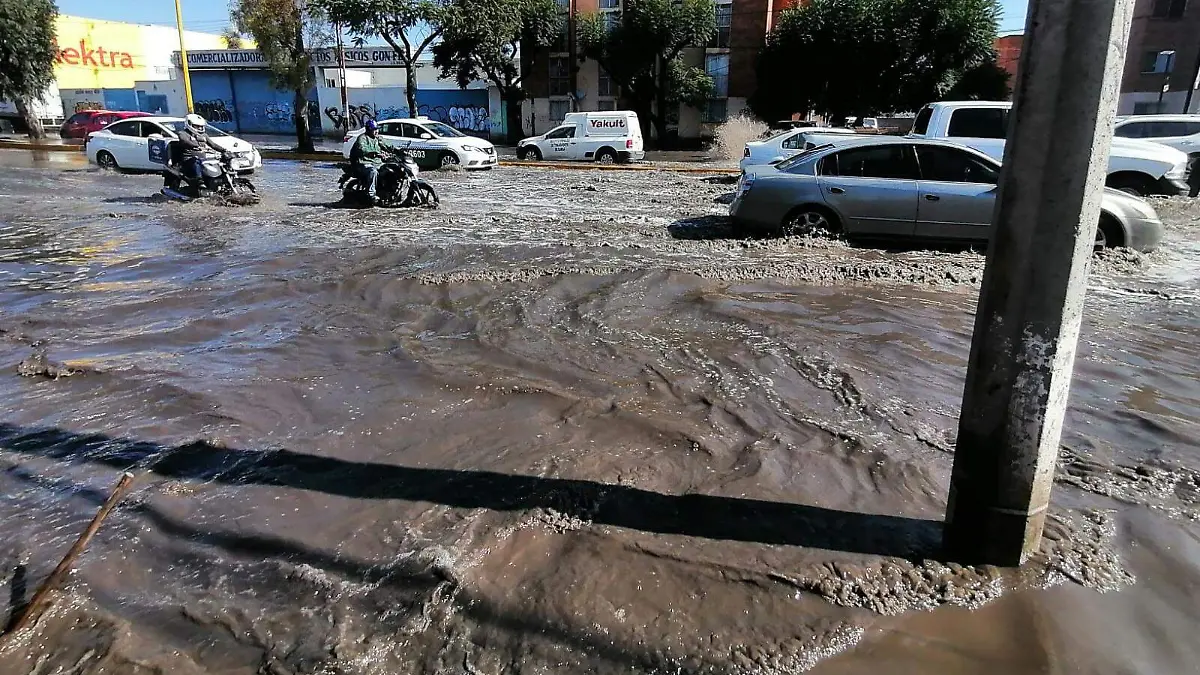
83	123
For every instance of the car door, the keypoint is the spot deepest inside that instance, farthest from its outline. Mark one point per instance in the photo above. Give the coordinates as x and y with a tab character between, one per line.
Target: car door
558	143
420	143
957	194
873	189
124	141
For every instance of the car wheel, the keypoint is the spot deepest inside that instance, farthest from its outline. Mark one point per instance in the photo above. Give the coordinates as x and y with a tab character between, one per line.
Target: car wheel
106	160
1108	233
449	159
1138	185
523	154
606	156
811	220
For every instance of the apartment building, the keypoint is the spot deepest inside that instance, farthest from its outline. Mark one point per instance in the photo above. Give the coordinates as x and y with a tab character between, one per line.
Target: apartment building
561	83
1163	60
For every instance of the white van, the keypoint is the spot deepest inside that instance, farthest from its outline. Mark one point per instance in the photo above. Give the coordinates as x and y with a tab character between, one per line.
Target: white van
604	137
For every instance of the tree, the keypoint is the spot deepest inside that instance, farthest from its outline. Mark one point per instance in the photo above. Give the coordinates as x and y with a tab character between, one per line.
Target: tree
231	38
27	52
284	31
496	40
985	82
886	55
409	26
642	54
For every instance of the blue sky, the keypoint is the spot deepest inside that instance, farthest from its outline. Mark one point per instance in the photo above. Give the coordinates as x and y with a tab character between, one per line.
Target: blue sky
211	16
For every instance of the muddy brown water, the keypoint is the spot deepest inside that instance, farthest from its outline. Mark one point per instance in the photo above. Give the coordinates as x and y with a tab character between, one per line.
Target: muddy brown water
568	423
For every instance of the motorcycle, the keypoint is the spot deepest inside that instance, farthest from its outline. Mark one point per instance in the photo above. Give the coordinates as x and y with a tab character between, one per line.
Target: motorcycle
397	185
218	178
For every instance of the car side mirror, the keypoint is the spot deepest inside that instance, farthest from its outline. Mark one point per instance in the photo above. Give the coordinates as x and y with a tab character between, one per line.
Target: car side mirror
426	137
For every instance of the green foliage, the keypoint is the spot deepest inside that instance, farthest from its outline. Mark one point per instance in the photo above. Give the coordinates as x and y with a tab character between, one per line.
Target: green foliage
408	26
232	38
486	39
845	56
641	52
284	31
27	48
985	82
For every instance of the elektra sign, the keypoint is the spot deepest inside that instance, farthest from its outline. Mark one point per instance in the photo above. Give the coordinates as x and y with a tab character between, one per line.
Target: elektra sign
93	57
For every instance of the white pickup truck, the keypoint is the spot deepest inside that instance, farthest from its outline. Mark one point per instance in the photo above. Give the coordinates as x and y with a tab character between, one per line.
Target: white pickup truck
1137	167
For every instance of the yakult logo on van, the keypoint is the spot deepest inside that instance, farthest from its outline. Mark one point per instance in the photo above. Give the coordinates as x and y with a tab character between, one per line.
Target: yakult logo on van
618	123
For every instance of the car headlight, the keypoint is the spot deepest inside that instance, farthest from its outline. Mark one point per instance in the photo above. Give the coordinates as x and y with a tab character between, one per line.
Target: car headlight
1179	171
472	148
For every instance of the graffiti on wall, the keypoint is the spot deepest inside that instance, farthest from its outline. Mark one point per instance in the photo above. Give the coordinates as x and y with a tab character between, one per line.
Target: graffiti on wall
214	111
470	119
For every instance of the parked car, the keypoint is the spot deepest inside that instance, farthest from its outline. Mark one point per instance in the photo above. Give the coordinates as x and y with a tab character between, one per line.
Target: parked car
905	188
784	125
784	144
1134	166
1181	132
125	144
432	144
604	137
83	123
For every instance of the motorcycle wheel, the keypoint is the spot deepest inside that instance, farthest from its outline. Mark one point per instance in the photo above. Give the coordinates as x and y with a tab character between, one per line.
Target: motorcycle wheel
423	195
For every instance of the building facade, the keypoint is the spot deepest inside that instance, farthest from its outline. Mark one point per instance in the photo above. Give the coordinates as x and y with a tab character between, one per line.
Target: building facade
1164	53
561	83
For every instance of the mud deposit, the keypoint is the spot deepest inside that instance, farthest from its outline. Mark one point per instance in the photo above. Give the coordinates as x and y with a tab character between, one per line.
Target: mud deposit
567	423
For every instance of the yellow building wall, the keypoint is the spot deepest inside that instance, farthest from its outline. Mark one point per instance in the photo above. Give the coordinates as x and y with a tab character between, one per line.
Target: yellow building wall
97	54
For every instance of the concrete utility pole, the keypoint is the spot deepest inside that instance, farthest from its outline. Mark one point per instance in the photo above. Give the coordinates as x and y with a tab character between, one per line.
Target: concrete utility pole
1031	303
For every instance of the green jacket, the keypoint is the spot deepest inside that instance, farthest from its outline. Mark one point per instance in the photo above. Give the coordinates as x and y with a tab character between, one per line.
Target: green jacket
366	150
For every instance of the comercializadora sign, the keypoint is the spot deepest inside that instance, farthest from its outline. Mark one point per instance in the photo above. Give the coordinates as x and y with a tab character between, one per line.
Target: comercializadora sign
365	57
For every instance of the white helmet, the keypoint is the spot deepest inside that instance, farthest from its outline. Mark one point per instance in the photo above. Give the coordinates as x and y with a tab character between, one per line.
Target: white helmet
196	122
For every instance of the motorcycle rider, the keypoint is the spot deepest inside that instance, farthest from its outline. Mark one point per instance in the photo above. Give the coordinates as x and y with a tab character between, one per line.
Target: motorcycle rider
194	140
365	156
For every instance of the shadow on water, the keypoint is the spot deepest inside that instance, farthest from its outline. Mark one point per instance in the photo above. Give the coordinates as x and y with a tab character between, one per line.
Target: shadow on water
703	228
156	198
409	581
695	515
339	204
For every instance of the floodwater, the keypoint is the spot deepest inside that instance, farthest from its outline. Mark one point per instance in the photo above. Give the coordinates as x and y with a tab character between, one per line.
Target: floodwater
568	423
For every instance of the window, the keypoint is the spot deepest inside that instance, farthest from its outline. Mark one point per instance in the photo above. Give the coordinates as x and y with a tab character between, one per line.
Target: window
882	161
391	129
716	111
724	20
610	4
126	129
180	125
1158	61
1133	130
560	75
604	85
559	110
979	123
948	165
717	67
796	142
611	20
1168	9
921	124
606	104
442	130
561	132
78	118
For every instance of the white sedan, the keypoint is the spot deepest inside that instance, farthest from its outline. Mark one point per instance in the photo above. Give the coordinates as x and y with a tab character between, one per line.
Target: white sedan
785	144
125	144
431	144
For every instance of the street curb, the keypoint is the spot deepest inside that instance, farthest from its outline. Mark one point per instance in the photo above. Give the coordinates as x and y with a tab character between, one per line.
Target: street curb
288	155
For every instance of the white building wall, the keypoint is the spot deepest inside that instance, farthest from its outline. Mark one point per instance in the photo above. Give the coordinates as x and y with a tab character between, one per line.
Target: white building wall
1172	102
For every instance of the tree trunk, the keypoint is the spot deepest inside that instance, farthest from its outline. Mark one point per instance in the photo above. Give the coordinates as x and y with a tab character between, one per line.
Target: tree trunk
646	119
33	125
512	117
410	89
660	103
303	136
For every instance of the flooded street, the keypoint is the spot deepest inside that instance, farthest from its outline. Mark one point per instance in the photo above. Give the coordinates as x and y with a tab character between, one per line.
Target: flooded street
567	423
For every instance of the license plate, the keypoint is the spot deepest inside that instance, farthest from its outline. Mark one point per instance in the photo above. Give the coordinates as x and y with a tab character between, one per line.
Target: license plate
241	164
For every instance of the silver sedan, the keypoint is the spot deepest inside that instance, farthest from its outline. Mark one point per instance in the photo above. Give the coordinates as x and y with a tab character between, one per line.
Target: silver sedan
904	188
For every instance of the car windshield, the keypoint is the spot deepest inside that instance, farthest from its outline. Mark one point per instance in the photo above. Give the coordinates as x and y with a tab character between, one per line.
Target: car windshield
443	130
792	161
180	125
